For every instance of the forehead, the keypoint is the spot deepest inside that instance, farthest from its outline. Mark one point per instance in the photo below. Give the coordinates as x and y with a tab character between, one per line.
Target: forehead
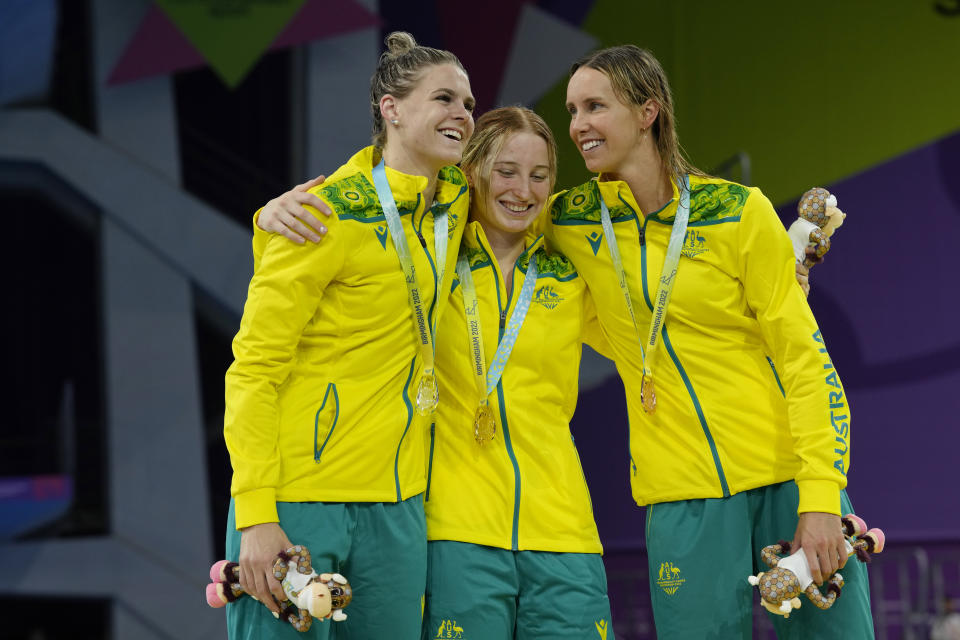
588	82
446	76
524	146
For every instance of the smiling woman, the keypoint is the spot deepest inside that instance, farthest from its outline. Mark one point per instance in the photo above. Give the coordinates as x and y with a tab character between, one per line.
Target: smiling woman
328	451
507	502
733	401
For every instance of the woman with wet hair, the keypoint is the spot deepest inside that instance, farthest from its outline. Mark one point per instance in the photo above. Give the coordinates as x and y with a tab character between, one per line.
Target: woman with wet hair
330	394
739	425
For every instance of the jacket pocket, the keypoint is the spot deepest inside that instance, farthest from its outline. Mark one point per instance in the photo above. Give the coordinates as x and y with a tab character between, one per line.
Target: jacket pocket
325	421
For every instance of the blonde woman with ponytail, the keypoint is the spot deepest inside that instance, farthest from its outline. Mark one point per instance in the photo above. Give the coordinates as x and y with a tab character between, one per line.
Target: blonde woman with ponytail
330	394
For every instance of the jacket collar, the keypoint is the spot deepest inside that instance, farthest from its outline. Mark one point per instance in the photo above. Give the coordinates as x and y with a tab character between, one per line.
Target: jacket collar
474	237
451	182
616	192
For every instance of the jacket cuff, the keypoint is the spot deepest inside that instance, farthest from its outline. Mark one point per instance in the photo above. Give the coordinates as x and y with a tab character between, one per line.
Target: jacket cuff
819	495
255	507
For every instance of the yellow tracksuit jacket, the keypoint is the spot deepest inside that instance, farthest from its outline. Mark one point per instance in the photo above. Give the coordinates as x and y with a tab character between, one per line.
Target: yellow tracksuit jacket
747	395
525	489
319	399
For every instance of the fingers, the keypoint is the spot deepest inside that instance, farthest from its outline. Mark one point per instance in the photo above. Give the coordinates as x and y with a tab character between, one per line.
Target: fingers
813	560
842	559
290	226
310	184
288	216
811	253
259	545
803	277
318	204
261	584
313	200
276	590
821	538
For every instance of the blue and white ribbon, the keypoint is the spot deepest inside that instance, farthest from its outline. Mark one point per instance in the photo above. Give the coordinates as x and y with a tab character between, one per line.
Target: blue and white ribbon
668	275
487	379
423	329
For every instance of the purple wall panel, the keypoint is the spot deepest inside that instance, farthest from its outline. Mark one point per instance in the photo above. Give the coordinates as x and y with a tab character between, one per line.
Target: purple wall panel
886	299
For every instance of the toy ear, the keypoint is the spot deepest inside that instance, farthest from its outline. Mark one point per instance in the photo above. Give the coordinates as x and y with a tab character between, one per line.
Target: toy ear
853	525
878	538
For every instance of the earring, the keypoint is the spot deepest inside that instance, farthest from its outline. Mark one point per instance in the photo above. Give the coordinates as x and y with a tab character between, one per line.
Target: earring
394	122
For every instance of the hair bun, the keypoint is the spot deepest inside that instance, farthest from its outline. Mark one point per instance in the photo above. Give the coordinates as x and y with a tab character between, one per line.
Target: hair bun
399	42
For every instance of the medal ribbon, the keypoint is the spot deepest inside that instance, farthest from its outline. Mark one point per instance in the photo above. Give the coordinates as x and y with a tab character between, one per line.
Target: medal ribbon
390	212
667	275
487	380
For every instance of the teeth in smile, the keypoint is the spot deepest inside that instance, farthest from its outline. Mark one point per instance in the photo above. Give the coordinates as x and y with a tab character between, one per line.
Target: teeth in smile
453	133
591	144
518	208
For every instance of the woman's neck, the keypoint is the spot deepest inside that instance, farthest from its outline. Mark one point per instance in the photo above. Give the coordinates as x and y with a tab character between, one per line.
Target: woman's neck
399	160
647	179
507	247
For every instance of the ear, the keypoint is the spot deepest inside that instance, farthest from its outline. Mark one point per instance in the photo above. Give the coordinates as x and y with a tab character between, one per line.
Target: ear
388	108
649	111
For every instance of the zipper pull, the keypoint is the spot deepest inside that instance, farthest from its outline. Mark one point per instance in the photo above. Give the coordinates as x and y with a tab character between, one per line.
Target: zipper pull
503	319
643	235
423	243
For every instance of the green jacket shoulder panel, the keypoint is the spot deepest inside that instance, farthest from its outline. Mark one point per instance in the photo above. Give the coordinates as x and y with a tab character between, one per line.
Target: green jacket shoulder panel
477	257
581	205
453	175
714	201
354	197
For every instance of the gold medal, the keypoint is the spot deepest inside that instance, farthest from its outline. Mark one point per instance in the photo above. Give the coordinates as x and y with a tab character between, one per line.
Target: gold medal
484	426
648	396
428	395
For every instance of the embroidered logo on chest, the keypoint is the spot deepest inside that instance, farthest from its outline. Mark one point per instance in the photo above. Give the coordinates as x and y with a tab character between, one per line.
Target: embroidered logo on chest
547	296
694	244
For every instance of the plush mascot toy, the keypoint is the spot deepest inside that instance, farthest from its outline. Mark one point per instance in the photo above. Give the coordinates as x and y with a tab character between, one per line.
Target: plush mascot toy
818	217
790	576
309	594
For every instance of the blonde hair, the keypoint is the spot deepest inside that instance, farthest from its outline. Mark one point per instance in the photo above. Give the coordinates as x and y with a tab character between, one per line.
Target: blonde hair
636	76
400	68
491	133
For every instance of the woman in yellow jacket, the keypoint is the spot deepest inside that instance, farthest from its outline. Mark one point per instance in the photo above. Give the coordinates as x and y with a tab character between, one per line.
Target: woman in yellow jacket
739	425
514	550
333	382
